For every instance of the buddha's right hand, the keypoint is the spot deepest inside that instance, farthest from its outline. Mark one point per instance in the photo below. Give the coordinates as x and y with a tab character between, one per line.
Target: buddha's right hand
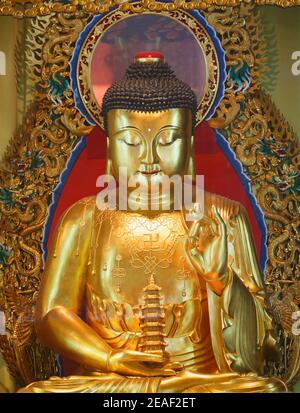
134	363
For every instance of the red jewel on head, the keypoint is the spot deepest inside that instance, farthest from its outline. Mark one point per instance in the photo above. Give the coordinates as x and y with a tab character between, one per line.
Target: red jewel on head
149	57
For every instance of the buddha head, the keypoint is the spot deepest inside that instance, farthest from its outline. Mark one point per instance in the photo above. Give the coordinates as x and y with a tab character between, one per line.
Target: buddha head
149	119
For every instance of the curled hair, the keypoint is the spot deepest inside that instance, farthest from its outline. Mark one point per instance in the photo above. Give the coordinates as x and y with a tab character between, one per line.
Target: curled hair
149	87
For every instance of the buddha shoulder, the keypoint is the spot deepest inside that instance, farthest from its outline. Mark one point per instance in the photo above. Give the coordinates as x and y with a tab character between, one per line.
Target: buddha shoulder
81	213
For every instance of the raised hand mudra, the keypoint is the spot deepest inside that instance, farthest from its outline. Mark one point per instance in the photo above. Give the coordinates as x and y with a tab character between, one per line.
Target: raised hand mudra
207	249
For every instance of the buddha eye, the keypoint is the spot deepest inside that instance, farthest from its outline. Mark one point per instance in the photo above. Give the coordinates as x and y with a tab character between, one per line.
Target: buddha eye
166	138
131	140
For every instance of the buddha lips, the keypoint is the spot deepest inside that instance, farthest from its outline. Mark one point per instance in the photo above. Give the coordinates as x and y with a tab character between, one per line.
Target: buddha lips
151	192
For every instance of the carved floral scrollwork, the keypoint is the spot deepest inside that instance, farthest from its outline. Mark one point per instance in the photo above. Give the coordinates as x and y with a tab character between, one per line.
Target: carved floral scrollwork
29	173
268	150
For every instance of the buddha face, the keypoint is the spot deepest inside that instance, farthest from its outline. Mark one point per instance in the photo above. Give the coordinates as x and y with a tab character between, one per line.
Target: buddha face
150	144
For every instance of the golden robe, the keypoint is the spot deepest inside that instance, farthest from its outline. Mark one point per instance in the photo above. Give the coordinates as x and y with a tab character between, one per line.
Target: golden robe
208	334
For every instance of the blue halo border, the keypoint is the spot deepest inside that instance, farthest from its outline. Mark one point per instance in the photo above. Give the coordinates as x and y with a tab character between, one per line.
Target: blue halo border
201	20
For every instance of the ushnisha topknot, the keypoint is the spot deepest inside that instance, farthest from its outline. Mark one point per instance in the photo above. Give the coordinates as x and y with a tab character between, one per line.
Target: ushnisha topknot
149	85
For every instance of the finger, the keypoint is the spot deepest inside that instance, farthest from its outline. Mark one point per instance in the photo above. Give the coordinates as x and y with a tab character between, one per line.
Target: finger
169	372
193	236
141	369
145	357
196	258
220	220
198	224
174	366
209	230
207	225
206	221
194	230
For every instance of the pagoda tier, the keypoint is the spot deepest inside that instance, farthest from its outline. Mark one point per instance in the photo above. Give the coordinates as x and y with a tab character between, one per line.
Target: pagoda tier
152	322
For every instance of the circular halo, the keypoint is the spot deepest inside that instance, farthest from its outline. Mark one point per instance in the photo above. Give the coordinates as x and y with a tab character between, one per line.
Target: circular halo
208	75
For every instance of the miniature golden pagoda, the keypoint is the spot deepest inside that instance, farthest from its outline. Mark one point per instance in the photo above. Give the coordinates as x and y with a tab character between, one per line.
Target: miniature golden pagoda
153	321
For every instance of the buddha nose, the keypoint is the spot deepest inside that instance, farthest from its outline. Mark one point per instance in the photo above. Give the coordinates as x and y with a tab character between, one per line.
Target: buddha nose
150	157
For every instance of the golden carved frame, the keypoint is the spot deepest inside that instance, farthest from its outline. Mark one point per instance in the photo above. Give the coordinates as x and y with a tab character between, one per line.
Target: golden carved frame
33	8
37	155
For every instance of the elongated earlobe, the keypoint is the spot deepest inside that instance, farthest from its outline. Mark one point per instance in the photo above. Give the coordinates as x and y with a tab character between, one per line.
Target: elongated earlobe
108	169
191	163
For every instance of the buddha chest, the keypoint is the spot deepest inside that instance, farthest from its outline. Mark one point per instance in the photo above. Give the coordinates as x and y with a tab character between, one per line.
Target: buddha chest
129	252
129	249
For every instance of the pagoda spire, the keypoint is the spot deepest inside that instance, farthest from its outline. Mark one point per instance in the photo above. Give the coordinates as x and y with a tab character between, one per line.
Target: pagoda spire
153	321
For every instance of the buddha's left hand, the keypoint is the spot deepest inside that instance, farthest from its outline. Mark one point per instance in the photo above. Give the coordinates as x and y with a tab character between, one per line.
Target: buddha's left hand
207	249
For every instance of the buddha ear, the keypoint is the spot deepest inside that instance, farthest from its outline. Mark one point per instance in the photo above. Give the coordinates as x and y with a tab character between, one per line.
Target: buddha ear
108	168
191	165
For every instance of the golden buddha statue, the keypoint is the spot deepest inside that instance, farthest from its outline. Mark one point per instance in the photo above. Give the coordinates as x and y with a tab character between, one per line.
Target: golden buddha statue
143	299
